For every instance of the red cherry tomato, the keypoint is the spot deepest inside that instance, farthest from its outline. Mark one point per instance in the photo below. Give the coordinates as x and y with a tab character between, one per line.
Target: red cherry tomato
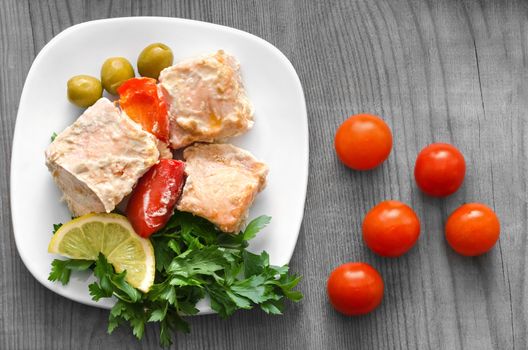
139	98
153	200
440	169
391	228
363	141
473	229
355	288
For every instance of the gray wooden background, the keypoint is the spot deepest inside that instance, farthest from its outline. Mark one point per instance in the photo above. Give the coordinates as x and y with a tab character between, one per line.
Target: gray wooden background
438	70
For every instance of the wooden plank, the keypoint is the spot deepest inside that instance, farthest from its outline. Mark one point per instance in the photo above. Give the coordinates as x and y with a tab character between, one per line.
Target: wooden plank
436	71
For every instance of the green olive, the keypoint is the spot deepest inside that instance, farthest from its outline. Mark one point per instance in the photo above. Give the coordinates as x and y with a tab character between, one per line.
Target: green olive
153	59
84	90
114	72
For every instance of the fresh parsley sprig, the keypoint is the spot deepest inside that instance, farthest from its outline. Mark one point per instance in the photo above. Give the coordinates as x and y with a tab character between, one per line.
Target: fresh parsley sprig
111	283
193	260
61	269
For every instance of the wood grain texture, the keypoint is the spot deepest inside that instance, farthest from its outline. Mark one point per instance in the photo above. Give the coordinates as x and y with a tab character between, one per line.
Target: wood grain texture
443	70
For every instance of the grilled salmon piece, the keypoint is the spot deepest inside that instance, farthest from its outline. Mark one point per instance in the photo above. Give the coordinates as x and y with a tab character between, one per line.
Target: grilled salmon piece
98	159
222	183
206	99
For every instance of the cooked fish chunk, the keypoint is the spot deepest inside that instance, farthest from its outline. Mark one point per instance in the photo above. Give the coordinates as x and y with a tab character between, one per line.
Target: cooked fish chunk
222	183
206	98
98	159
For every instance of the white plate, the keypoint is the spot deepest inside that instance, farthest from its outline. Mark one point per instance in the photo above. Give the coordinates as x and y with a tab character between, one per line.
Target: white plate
279	137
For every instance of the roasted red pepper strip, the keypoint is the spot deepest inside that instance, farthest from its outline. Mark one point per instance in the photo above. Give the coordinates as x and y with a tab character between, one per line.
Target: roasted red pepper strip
140	100
153	200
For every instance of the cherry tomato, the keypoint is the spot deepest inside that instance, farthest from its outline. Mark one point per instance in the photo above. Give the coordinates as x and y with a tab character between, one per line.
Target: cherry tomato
153	200
473	229
391	228
440	169
363	141
139	98
355	288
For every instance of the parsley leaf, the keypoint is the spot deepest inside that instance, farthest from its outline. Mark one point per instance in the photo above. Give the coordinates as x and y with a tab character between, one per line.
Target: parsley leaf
133	313
61	269
164	291
198	262
111	283
254	264
162	252
252	288
56	227
159	313
53	136
273	307
255	226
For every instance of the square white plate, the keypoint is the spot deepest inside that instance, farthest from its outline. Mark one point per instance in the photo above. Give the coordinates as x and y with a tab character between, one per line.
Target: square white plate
279	137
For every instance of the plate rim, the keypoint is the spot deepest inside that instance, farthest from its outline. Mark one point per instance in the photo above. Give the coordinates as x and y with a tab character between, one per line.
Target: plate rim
304	130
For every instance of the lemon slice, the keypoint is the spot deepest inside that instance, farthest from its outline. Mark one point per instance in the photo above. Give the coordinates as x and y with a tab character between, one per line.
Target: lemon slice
111	234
